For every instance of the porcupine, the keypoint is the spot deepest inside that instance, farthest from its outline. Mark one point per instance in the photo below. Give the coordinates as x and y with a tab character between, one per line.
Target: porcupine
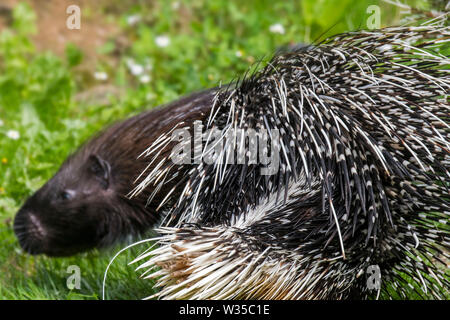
363	179
85	205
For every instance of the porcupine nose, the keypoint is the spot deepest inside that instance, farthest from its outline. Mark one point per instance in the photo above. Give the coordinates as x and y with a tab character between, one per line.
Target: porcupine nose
29	231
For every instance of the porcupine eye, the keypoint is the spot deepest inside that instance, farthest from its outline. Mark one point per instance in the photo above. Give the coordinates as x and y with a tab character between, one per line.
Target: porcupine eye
67	195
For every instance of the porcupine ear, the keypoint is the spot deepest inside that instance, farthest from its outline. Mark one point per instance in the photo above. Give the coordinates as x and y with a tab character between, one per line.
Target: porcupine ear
101	168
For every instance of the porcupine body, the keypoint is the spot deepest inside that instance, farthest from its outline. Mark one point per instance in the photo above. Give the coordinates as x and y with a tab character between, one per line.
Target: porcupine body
363	177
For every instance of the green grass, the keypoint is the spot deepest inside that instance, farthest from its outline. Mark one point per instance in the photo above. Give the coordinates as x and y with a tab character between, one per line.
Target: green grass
210	42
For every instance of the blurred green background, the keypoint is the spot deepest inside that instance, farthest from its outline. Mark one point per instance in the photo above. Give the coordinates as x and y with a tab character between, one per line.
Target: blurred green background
59	86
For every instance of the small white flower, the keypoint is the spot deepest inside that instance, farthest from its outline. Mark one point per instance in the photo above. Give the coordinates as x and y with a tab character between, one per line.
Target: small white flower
162	41
13	134
238	53
145	78
102	76
135	69
1	123
277	28
133	19
176	5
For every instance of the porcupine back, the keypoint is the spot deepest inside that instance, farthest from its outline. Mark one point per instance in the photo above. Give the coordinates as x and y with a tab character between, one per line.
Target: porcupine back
363	180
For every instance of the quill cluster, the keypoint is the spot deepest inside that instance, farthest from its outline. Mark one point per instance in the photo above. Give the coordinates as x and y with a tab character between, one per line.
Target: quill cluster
364	147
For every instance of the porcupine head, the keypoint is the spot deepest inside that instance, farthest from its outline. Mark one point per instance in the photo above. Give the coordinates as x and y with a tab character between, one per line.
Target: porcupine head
67	215
86	204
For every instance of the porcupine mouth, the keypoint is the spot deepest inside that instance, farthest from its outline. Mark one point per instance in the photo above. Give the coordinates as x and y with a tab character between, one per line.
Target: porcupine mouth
36	238
30	233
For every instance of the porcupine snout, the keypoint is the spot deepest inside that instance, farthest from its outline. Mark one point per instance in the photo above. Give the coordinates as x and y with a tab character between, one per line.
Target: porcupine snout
30	231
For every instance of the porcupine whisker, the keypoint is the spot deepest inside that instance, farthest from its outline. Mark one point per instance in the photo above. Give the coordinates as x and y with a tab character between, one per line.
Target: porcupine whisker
114	258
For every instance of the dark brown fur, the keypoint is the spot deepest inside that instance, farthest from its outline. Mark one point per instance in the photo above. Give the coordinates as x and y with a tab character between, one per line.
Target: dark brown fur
85	205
